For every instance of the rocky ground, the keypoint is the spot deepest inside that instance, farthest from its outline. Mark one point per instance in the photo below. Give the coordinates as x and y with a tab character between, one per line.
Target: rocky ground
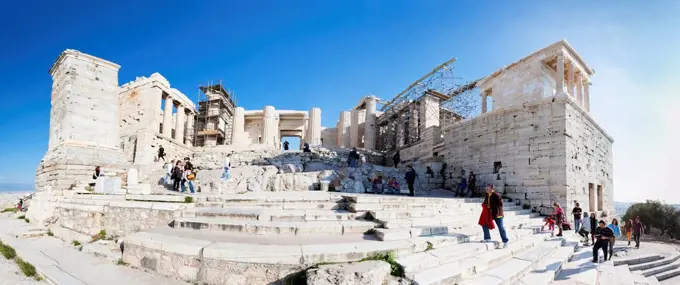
11	275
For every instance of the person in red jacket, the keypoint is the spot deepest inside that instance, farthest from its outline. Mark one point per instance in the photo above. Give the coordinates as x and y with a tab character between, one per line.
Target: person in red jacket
492	211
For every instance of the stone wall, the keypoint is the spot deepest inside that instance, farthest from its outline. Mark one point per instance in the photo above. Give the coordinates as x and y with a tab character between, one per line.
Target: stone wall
329	137
523	150
140	106
146	149
589	161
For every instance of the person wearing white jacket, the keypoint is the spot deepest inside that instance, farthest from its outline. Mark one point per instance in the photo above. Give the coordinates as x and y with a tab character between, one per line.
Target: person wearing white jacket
227	167
585	228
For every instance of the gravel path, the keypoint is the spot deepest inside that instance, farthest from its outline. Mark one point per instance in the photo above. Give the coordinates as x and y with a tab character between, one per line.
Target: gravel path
11	275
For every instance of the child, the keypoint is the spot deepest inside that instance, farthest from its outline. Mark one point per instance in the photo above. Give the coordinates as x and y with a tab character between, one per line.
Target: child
550	222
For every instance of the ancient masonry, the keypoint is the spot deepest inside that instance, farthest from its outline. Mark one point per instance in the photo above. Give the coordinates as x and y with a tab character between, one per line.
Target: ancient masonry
535	141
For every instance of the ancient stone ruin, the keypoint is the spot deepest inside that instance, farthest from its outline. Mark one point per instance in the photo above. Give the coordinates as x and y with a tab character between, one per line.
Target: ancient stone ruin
281	215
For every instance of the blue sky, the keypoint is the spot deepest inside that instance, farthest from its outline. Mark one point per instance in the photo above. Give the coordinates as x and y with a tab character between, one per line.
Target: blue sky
328	54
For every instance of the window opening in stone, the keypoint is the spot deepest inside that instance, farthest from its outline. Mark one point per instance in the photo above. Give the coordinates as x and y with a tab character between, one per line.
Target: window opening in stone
294	142
497	166
600	201
591	197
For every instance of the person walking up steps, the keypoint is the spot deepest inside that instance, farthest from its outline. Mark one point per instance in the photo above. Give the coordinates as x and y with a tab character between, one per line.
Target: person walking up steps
638	229
492	211
410	180
161	153
629	229
603	235
577	217
617	233
559	217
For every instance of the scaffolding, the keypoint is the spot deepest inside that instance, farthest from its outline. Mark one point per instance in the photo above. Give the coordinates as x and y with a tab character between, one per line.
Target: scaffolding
215	112
403	119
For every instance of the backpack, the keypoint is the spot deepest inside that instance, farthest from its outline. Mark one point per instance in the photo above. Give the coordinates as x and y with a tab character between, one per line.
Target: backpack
191	176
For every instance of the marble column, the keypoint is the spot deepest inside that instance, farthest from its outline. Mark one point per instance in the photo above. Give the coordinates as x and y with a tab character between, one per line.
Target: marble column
190	129
238	125
343	129
485	96
180	120
370	124
586	99
354	129
270	127
167	117
579	89
570	80
559	77
314	127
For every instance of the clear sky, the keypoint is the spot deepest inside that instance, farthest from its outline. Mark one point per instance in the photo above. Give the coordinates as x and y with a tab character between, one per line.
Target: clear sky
328	54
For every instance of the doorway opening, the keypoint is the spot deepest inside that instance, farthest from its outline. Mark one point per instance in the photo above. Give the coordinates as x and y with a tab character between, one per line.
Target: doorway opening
293	143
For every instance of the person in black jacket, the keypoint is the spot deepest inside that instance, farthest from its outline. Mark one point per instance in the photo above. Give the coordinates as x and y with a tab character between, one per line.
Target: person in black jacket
396	159
410	180
603	234
593	227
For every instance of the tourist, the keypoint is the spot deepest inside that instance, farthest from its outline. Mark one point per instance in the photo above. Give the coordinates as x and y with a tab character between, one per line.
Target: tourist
168	172
492	211
306	148
393	185
617	233
377	185
353	158
629	229
396	159
638	229
462	186
362	159
603	234
558	213
550	222
20	205
285	145
577	216
472	184
177	175
97	173
188	165
410	180
585	228
593	226
227	167
188	177
161	153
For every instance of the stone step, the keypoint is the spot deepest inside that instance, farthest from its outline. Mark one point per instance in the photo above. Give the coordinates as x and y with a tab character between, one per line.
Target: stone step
274	197
638	259
468	244
274	228
308	205
253	214
405	233
667	275
401	214
511	271
659	269
610	274
649	266
545	271
580	270
448	219
368	198
453	272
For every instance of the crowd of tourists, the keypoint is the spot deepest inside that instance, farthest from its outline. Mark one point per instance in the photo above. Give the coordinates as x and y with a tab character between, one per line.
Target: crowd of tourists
182	173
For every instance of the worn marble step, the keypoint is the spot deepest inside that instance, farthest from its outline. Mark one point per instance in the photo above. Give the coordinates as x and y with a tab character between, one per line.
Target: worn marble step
401	214
405	233
610	274
448	218
451	273
253	214
545	271
274	197
638	259
667	274
469	243
649	267
274	228
514	269
364	198
308	205
658	270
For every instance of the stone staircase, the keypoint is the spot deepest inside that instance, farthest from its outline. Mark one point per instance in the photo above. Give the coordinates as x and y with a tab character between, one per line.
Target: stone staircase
652	268
268	236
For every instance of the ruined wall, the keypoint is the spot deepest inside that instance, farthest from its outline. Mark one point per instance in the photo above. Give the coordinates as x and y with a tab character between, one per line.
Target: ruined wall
528	80
589	161
329	137
252	130
522	150
139	106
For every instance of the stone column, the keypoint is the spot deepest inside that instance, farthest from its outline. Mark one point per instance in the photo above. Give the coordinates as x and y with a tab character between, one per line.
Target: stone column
180	120
370	124
586	90
270	127
399	132
485	94
190	129
579	89
354	129
346	124
167	117
314	127
238	125
559	77
570	79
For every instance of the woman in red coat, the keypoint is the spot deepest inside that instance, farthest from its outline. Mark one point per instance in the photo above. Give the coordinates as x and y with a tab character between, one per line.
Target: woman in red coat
492	211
